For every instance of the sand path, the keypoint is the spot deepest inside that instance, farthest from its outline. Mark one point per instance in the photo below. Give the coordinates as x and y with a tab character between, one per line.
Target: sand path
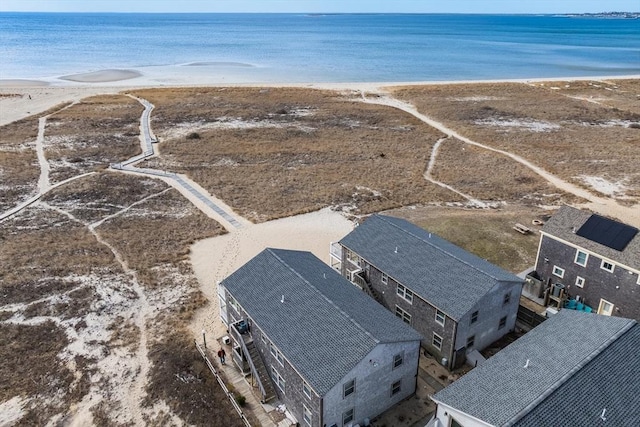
605	206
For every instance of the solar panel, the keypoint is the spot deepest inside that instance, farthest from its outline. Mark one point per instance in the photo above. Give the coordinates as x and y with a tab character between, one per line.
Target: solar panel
608	232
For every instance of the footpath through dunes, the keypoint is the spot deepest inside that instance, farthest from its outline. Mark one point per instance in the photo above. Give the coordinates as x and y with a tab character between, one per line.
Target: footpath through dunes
605	206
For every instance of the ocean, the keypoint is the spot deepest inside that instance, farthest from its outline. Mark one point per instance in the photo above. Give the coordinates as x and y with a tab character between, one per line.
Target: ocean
319	48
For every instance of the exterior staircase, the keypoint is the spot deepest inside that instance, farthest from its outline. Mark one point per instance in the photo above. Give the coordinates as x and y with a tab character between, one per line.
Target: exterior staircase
367	287
259	371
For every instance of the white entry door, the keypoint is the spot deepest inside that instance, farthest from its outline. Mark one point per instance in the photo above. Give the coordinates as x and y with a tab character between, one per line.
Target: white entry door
605	307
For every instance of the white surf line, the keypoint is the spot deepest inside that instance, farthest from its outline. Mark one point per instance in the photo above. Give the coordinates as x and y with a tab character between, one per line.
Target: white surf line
132	405
429	177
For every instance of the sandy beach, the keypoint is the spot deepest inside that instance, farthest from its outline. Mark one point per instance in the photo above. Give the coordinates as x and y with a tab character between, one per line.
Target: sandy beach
213	259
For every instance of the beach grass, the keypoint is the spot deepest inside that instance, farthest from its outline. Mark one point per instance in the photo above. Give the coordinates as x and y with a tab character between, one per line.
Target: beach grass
548	124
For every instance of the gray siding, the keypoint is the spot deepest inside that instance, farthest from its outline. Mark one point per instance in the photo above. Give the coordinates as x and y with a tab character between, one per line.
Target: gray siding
454	335
490	310
374	377
292	396
619	288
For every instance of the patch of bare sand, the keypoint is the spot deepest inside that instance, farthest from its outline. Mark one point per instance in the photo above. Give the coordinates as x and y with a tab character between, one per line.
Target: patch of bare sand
215	258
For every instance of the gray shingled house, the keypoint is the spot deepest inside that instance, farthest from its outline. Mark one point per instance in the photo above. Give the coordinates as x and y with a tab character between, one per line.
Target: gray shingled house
457	301
331	354
588	258
575	369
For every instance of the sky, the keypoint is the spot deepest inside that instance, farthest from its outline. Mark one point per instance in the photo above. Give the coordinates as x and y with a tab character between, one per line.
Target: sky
324	6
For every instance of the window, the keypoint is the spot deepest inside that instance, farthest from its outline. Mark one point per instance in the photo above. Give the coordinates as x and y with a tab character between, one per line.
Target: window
605	308
581	258
263	338
385	278
471	341
437	341
607	266
503	322
580	282
306	415
349	388
306	390
507	298
474	317
277	379
398	359
406	317
638	282
347	417
440	317
395	387
353	258
557	271
276	353
405	293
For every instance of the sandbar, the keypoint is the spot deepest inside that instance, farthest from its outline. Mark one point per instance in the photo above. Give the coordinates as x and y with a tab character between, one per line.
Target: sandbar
103	76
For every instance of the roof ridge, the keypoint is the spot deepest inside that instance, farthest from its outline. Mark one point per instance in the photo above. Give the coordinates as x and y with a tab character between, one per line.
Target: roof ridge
524	411
369	334
383	217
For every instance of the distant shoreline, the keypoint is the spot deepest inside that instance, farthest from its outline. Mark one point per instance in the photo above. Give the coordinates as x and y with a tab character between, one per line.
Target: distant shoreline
164	77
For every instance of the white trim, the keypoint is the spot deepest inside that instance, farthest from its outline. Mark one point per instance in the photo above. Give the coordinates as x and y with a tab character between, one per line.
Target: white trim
580	282
404	293
560	273
638	281
444	317
613	266
306	389
586	259
595	254
306	411
384	278
404	315
434	338
600	307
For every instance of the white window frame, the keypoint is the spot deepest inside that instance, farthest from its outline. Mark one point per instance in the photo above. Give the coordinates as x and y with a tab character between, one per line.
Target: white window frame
440	317
348	416
384	278
586	257
276	353
405	293
558	271
306	414
277	378
613	266
404	315
306	389
638	282
433	341
396	387
398	360
349	385
602	302
353	258
580	282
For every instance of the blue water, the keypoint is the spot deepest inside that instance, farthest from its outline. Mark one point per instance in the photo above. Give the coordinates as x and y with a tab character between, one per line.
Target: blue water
330	48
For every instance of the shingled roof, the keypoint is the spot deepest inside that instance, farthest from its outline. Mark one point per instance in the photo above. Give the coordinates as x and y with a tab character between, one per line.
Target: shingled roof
325	326
440	272
577	365
567	220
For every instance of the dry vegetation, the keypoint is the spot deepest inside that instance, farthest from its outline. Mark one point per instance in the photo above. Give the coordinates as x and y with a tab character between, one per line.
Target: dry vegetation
575	139
491	176
91	134
278	152
58	278
19	169
485	233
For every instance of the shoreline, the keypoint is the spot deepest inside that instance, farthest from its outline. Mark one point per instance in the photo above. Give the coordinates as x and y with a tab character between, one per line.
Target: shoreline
21	98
